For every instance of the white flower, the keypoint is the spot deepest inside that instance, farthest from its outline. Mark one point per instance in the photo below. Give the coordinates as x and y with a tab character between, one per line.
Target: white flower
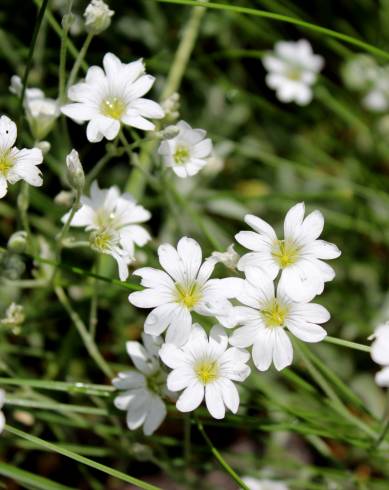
380	353
111	97
113	220
298	255
16	164
188	152
183	288
143	387
41	111
256	484
265	317
206	367
97	16
2	418
293	69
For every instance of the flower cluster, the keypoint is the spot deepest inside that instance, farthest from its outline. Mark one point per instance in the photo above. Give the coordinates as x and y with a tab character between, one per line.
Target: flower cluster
363	75
113	222
257	311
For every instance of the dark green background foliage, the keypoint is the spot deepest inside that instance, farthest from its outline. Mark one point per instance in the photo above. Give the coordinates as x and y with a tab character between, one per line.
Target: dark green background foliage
333	154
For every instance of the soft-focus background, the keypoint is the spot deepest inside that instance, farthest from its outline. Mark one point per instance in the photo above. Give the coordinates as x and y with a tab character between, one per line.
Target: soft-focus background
332	154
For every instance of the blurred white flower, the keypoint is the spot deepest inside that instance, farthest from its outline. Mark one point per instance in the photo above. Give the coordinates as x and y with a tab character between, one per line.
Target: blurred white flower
377	98
97	16
256	484
183	288
298	255
2	418
359	72
206	367
293	69
229	258
113	220
16	164
143	387
41	111
188	152
380	353
265	316
111	97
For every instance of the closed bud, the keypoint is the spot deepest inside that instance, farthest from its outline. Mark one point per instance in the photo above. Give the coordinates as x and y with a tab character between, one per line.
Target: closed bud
17	242
75	172
169	132
97	16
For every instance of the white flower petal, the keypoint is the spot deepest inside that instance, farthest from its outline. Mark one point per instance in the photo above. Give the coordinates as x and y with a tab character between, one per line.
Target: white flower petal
261	227
181	378
263	349
129	380
190	398
172	356
282	350
214	401
306	331
293	220
155	415
179	329
230	394
160	318
150	298
8	133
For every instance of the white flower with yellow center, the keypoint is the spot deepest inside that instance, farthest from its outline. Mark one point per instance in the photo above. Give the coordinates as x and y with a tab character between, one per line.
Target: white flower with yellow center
188	152
16	164
111	97
184	288
380	353
293	69
265	317
206	368
114	222
298	255
143	387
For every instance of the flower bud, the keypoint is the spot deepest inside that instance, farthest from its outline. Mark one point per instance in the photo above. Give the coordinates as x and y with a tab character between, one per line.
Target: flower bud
229	258
169	132
44	146
97	16
17	242
75	172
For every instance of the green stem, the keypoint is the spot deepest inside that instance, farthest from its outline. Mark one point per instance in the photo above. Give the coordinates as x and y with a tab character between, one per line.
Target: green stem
347	343
60	407
79	60
290	20
66	226
82	330
80	459
63	50
38	23
23	204
136	182
71	388
187	440
219	457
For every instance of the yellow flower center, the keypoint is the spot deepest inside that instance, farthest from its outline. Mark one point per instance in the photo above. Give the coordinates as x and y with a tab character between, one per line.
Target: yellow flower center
294	74
285	253
274	314
207	371
6	163
181	155
188	295
101	240
113	107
